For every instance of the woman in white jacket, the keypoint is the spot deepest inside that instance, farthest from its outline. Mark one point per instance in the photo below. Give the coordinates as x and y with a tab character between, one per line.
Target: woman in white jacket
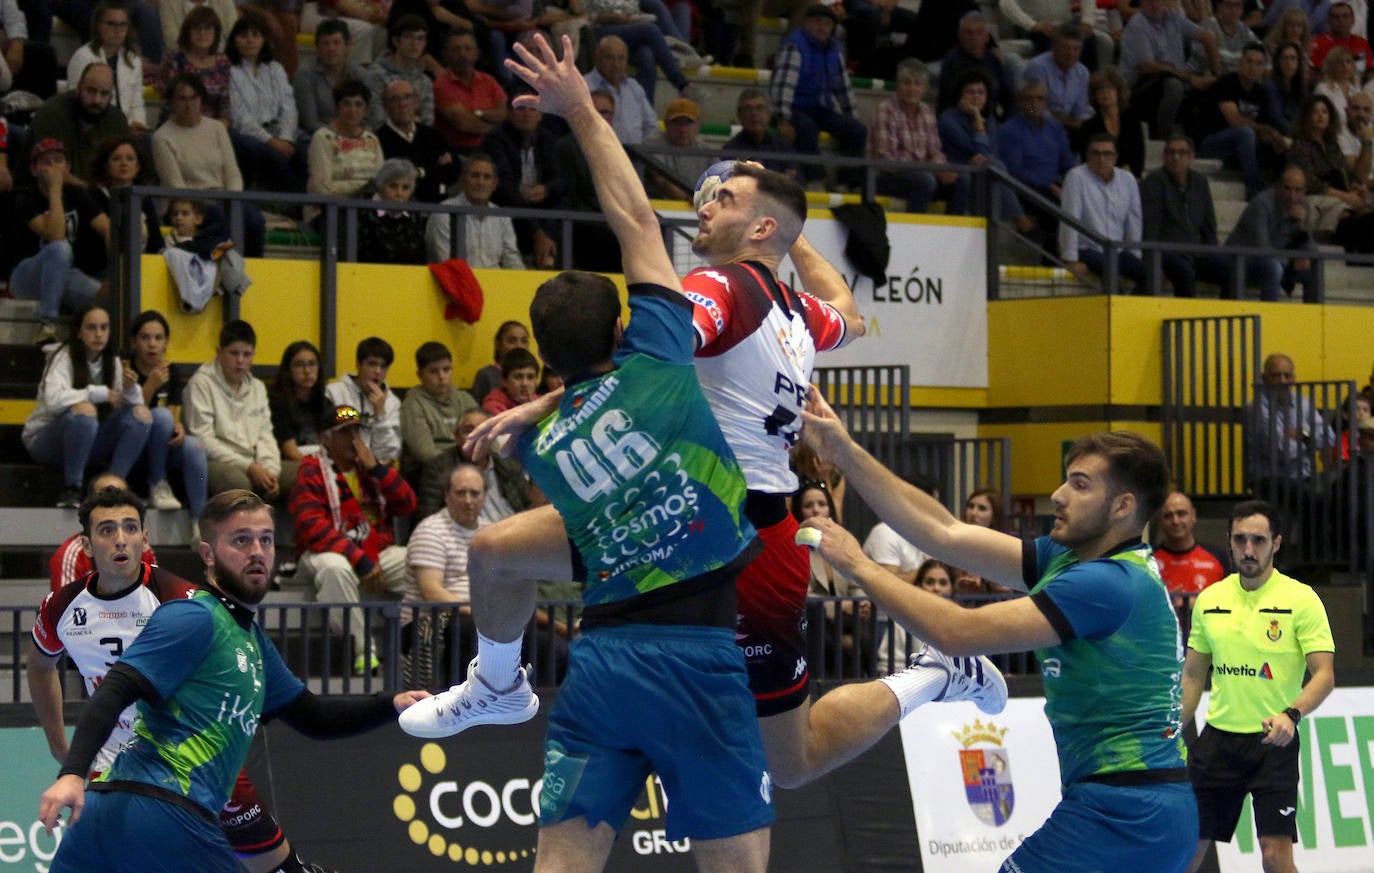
82	379
113	42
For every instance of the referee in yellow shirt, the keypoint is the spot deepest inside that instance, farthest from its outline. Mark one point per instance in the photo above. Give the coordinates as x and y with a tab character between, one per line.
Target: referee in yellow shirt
1255	632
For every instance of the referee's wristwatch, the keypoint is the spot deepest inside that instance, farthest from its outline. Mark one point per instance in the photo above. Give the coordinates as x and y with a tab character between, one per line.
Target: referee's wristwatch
1293	715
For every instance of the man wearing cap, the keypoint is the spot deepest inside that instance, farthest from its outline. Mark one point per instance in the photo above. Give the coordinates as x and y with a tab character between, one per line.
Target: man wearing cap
82	118
342	508
62	239
812	92
681	124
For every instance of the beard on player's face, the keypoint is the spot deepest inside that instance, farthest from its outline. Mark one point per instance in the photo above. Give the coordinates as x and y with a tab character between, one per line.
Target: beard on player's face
249	584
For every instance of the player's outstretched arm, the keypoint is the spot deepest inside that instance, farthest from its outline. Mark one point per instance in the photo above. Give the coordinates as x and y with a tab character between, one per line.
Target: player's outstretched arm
820	279
510	424
45	687
914	515
563	91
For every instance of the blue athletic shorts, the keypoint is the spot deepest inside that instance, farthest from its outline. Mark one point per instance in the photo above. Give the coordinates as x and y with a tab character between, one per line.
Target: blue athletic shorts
122	832
1113	829
671	700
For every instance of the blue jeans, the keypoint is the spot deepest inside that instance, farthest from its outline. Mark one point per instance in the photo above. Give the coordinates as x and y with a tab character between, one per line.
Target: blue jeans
1127	265
849	133
666	21
50	278
1238	146
1273	275
75	442
188	457
648	52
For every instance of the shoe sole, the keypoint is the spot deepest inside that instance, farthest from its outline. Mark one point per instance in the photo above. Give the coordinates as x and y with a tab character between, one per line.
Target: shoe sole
435	732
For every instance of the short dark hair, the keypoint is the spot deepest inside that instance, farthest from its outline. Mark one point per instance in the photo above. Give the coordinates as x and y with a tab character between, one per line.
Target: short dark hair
1247	508
408	23
1134	463
430	352
1068	30
237	331
374	347
225	504
109	498
351	88
1102	136
189	80
148	316
518	359
785	192
973	75
101	165
331	26
573	316
250	20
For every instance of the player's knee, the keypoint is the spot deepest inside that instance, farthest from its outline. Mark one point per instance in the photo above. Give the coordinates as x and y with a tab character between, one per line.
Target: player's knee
1276	856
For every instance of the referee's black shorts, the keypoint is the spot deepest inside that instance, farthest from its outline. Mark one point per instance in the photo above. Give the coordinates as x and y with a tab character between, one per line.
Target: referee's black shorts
1224	767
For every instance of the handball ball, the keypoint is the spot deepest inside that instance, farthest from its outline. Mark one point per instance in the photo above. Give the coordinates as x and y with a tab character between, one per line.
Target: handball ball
707	183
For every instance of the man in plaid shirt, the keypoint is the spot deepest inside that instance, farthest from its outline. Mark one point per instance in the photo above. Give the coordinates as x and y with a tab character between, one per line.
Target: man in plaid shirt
904	129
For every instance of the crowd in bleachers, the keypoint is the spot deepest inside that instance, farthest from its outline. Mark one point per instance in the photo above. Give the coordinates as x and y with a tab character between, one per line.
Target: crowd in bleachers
399	99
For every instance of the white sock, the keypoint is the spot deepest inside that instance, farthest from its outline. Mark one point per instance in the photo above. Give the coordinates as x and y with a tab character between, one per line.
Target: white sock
915	687
499	663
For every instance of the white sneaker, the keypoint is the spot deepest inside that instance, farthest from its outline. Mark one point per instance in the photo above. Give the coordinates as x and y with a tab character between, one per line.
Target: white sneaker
469	704
160	496
968	678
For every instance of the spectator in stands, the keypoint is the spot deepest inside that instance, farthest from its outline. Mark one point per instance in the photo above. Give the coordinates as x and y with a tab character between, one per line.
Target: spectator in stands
1292	26
757	140
366	391
173	17
969	136
1288	78
77	14
119	163
196	152
1106	201
904	129
848	620
635	118
681	124
169	447
404	137
1338	81
645	40
510	335
366	21
1239	121
1176	203
86	413
1331	193
1313	13
519	376
315	82
61	241
936	29
1154	57
1035	147
281	21
262	109
403	61
390	233
69	561
225	405
1356	136
1275	219
25	51
468	104
808	464
297	402
1185	565
199	53
1232	35
594	246
1065	78
113	42
1113	113
811	90
430	411
81	118
972	51
437	572
1040	21
343	508
344	154
508	489
983	507
1340	17
522	151
489	239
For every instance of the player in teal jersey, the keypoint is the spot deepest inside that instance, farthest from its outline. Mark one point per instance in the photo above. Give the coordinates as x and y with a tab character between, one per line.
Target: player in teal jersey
648	511
203	675
1255	633
1099	619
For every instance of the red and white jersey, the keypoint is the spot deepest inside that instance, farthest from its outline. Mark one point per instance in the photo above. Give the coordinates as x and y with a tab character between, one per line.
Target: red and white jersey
95	629
756	344
70	563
